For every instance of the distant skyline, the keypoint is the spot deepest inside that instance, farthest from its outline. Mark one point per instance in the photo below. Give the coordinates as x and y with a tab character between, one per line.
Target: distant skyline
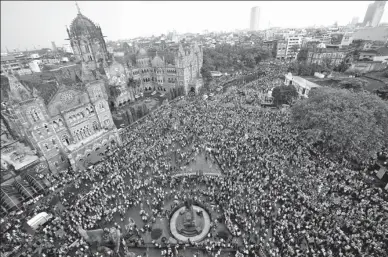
38	23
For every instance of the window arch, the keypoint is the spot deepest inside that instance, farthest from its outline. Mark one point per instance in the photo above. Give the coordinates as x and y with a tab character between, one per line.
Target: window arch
65	140
34	114
95	125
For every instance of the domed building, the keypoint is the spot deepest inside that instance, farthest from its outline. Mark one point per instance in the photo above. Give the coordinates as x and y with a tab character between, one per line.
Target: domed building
170	69
87	40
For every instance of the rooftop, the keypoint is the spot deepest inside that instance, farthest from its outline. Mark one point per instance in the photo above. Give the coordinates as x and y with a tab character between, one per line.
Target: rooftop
17	149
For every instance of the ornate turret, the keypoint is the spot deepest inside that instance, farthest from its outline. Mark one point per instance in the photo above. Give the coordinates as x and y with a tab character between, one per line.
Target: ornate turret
87	40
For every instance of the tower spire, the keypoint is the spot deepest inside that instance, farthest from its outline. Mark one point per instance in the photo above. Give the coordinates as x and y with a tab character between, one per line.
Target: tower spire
76	4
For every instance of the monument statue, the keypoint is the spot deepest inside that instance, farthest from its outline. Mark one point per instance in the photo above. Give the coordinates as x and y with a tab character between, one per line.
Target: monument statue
187	221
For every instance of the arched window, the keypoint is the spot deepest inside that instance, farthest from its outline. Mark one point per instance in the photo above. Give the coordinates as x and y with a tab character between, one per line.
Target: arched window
95	125
34	114
65	140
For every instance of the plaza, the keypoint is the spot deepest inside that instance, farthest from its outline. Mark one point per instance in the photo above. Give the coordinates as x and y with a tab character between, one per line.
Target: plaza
243	165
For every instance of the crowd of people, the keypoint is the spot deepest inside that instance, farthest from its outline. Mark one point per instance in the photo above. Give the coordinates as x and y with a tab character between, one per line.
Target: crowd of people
276	194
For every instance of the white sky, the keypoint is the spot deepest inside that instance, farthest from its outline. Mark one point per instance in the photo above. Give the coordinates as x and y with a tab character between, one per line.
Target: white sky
28	24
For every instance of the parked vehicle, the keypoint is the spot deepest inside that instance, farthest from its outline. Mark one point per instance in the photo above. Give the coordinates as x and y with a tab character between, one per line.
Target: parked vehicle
39	219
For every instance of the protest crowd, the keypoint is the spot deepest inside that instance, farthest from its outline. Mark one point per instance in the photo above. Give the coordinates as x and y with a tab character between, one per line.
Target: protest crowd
274	192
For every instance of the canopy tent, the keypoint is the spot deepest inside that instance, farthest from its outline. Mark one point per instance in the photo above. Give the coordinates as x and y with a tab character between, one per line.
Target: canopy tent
24	189
38	186
10	198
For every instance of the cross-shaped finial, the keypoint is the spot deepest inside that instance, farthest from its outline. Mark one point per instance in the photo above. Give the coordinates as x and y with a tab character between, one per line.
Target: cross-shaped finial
76	4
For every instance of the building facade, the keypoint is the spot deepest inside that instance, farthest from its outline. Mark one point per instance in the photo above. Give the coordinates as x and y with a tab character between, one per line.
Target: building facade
294	44
270	46
87	40
255	18
302	86
63	120
281	49
10	64
161	71
318	55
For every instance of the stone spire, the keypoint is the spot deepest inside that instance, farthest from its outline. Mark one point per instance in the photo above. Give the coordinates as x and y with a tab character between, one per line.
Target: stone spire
78	9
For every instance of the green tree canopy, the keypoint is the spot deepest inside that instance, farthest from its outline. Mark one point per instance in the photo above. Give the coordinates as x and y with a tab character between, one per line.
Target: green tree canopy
302	55
352	84
227	58
284	94
343	124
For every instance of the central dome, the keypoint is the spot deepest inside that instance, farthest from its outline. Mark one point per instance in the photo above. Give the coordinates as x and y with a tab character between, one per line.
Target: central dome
82	24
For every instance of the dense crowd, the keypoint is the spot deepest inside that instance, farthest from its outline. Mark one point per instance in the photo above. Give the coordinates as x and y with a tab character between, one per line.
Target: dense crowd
275	193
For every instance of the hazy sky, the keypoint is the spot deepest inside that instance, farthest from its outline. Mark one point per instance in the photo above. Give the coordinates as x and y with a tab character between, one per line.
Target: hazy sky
28	24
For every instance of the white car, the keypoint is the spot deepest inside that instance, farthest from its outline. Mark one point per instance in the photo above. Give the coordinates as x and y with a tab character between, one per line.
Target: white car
153	93
161	95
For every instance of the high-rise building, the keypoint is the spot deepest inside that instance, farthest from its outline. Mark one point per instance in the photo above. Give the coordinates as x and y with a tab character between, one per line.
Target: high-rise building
354	20
374	13
255	17
54	46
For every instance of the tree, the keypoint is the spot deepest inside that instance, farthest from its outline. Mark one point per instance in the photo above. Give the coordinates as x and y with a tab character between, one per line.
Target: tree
205	72
352	84
342	67
302	55
327	64
343	124
305	69
293	68
294	51
284	94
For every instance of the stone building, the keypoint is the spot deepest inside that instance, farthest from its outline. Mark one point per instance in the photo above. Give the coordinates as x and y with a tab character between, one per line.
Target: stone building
318	55
163	70
65	120
87	40
149	70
